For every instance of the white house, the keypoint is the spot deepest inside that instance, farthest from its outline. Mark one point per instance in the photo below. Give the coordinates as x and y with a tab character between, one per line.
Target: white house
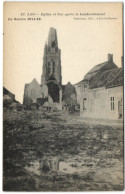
100	93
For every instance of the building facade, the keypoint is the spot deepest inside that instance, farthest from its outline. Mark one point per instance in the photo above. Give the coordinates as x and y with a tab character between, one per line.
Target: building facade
100	93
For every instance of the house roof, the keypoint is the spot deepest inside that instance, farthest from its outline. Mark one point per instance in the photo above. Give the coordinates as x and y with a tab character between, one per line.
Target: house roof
109	78
80	82
105	74
118	80
108	65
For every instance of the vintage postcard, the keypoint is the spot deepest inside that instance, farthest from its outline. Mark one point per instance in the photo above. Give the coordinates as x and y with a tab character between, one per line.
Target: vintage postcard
63	96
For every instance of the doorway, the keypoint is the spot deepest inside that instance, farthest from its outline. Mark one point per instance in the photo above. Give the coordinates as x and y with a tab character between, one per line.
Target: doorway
120	114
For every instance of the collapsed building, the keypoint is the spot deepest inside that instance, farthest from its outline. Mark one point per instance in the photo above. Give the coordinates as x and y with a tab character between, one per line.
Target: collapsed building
9	100
7	95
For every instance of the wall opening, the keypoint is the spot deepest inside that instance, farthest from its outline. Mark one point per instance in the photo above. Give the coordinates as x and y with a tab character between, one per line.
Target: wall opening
84	104
53	90
120	109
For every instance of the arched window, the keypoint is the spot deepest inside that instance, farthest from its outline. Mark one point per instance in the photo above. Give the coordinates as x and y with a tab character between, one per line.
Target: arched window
54	67
49	67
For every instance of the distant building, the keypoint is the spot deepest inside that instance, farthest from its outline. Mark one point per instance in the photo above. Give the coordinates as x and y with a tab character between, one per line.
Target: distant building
69	95
100	93
7	95
32	91
9	101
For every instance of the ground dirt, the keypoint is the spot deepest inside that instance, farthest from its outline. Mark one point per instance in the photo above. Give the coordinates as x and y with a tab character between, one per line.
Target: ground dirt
90	154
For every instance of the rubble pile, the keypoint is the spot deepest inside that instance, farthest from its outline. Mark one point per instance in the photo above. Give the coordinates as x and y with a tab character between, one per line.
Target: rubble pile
28	134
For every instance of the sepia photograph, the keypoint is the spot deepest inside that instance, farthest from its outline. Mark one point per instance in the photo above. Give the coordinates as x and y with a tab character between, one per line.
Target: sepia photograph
63	79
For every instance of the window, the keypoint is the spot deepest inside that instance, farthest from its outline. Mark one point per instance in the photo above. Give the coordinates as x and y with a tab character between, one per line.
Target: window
53	67
112	103
53	43
84	88
84	104
49	68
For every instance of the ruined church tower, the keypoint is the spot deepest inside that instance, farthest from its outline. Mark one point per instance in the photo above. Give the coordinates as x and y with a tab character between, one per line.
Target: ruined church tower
51	75
51	59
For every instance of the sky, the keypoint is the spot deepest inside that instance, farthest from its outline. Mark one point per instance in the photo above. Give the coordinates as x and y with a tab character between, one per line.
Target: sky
84	42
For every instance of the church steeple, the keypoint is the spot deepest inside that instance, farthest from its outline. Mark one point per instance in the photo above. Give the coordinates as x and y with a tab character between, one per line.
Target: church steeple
51	59
52	38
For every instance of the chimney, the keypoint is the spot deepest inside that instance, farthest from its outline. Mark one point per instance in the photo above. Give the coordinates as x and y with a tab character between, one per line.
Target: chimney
110	57
122	61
